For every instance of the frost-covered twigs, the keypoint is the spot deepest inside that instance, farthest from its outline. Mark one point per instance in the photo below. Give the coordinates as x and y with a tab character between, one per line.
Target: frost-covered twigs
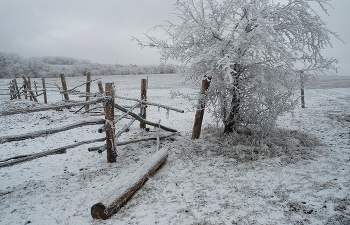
252	50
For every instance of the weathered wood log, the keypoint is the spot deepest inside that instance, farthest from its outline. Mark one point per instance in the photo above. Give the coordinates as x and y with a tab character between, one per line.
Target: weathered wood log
109	109
152	103
197	126
24	158
54	107
29	89
137	117
41	133
111	204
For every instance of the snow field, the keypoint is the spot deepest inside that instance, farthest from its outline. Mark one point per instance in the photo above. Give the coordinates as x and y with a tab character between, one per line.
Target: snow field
299	176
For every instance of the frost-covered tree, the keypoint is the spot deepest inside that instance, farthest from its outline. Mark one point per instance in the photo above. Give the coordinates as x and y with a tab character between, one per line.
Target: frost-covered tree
251	50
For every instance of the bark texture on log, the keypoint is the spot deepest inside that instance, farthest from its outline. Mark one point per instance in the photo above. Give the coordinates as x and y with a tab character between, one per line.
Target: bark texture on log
88	85
111	204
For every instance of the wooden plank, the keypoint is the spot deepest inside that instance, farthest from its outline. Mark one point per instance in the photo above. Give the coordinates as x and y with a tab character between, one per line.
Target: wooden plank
111	204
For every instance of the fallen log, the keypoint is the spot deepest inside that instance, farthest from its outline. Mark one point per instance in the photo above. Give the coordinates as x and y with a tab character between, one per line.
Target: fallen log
110	205
54	107
23	158
41	133
139	118
151	103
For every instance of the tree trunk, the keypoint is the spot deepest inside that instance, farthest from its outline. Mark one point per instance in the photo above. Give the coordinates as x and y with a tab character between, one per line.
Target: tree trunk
232	119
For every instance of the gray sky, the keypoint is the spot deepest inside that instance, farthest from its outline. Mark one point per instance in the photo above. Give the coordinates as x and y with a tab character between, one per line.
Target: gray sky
101	30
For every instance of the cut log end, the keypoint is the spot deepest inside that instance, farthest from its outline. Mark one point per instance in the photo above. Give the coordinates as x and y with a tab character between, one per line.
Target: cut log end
98	211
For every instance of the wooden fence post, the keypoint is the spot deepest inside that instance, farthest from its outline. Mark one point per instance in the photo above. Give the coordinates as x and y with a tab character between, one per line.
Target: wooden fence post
30	88
197	127
302	89
143	97
100	87
16	89
31	93
109	109
64	86
12	90
88	85
44	90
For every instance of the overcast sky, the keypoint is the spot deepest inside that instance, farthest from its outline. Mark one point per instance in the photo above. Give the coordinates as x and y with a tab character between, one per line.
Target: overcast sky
101	30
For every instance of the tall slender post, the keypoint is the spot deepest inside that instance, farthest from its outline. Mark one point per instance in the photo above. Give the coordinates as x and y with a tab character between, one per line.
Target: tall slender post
109	109
44	89
143	97
30	88
88	85
17	90
197	127
12	92
302	90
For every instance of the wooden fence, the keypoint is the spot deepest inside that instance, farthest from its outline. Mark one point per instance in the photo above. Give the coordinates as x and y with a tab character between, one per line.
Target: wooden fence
109	205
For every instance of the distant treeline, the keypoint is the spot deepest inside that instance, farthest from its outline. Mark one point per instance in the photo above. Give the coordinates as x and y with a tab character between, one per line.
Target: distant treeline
12	65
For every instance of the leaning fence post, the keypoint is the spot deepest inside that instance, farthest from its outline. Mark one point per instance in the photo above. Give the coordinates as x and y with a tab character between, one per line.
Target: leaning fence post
44	90
197	127
17	90
100	87
88	85
143	97
64	86
109	116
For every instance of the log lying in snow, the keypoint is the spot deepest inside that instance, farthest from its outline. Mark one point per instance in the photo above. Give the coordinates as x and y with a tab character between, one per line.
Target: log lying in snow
23	158
41	133
110	205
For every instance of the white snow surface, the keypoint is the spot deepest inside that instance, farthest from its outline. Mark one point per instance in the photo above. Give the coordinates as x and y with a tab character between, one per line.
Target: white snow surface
299	176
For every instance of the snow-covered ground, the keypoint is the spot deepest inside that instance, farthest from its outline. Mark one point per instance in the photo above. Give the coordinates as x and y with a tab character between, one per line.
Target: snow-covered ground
298	176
